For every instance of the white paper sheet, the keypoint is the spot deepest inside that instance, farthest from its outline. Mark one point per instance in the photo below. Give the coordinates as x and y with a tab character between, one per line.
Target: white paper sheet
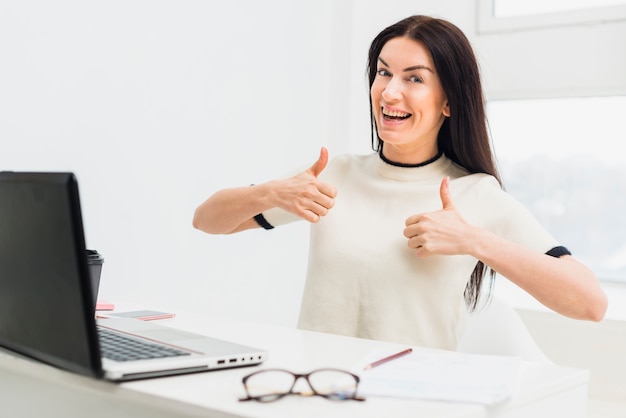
447	376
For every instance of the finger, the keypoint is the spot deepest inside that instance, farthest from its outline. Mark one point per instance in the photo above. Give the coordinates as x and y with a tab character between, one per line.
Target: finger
320	210
313	210
413	219
421	252
311	216
327	190
444	192
416	243
320	164
325	202
412	231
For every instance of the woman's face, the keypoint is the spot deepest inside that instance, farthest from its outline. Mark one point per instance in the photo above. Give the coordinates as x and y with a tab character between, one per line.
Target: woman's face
408	101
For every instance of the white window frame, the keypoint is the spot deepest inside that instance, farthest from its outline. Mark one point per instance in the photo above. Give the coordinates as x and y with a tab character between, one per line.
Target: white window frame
489	23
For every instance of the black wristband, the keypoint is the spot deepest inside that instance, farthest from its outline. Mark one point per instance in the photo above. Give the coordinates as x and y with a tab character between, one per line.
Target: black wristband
558	252
260	219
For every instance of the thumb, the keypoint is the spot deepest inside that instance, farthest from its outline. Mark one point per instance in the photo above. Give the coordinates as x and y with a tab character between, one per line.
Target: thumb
444	192
320	164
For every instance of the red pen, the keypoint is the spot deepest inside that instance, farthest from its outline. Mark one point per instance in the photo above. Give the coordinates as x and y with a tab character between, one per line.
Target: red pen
389	358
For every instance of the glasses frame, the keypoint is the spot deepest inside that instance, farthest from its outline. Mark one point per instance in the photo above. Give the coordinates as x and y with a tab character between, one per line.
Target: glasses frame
296	377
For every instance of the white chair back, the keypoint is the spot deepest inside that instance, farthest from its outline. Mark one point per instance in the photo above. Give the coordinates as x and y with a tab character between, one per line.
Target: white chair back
497	329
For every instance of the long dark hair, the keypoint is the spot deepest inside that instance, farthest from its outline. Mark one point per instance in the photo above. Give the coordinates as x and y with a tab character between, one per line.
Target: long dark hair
463	137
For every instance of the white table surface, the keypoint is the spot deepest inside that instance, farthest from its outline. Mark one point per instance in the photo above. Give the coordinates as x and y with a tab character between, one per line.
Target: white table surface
545	390
303	351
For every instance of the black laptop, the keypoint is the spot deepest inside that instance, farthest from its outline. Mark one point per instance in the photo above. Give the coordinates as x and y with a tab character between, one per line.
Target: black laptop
47	308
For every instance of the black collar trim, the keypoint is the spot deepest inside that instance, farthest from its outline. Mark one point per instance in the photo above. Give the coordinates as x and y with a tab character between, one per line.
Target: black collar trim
386	160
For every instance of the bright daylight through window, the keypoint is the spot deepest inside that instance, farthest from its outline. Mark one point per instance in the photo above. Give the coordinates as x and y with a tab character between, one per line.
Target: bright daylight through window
511	8
564	160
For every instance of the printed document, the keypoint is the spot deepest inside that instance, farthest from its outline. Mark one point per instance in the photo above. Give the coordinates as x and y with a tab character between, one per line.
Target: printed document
445	376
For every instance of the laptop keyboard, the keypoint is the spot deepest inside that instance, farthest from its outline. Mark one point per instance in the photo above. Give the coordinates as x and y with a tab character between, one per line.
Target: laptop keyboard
116	346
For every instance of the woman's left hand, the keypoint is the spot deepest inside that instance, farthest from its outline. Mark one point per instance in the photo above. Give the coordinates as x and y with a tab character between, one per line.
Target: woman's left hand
442	232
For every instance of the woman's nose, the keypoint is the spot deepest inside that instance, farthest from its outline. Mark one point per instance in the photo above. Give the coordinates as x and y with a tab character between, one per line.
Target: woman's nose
392	90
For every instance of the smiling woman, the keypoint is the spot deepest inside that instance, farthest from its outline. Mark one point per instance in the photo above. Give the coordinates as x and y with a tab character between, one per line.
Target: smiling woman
401	238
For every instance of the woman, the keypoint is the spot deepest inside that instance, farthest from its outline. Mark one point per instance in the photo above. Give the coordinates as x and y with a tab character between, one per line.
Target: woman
401	238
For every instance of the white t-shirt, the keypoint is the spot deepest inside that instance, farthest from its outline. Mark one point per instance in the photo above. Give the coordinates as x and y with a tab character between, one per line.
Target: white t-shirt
364	281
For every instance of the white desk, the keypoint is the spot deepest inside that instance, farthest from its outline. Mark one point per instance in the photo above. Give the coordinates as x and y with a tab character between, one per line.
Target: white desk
31	389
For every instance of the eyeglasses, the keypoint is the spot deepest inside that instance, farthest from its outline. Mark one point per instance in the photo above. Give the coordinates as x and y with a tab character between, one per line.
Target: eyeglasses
272	384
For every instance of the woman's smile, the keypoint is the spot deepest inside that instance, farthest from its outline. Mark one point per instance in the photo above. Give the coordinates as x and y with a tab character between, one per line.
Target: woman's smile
390	114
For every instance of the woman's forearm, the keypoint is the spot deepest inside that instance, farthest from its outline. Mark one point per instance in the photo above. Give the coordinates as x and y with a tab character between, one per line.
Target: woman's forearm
562	284
232	210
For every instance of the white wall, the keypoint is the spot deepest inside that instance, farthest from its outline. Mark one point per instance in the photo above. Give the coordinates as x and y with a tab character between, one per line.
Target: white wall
157	104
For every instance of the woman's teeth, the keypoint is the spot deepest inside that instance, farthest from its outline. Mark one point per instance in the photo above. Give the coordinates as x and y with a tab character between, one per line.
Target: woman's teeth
395	115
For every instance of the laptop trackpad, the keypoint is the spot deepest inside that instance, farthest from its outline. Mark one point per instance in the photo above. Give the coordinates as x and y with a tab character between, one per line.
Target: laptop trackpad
147	329
167	335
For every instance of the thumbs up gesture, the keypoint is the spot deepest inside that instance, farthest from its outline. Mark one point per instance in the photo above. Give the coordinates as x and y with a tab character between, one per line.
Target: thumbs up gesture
442	232
304	194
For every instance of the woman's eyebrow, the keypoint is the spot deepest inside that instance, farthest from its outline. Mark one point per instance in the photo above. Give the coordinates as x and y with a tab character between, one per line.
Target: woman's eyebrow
418	67
412	68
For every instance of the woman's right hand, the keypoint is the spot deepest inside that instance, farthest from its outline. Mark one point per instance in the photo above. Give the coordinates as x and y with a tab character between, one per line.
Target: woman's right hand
305	195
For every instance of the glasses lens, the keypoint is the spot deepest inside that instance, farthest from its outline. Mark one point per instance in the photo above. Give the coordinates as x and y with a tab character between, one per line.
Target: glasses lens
335	384
269	385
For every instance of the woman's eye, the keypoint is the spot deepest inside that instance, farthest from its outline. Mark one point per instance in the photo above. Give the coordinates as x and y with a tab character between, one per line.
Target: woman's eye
416	79
383	73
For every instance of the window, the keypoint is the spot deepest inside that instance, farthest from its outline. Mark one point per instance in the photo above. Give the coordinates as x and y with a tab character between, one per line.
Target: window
512	8
513	15
564	160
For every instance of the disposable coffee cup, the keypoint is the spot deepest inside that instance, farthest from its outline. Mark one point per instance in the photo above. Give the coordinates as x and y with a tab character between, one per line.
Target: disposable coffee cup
94	261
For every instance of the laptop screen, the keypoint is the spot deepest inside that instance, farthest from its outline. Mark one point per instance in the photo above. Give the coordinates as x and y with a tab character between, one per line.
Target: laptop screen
46	304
